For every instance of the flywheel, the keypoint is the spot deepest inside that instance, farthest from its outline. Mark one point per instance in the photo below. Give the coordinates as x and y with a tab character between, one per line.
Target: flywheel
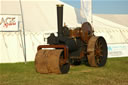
97	51
51	61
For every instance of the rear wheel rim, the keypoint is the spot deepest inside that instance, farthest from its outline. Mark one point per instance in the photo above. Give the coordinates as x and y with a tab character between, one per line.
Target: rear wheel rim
97	49
100	51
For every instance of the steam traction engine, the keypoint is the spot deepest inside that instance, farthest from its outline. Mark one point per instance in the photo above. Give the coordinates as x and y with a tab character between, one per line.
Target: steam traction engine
70	47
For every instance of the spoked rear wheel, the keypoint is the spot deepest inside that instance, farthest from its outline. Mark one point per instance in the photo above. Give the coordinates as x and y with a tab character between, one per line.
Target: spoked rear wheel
97	51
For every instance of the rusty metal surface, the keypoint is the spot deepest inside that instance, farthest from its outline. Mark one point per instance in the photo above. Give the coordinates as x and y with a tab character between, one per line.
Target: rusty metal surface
86	32
64	47
48	61
97	51
91	51
75	33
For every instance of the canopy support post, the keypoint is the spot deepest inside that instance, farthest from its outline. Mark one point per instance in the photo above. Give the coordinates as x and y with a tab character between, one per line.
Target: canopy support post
24	47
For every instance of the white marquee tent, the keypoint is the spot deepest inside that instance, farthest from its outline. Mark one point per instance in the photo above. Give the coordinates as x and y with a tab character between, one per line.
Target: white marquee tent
40	18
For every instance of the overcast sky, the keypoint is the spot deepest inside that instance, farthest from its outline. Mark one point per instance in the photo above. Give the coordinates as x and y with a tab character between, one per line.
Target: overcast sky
104	6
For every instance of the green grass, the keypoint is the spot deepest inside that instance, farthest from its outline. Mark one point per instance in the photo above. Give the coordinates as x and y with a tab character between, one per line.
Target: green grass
115	72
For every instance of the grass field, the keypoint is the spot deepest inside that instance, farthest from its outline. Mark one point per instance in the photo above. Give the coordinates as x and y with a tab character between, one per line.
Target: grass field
114	73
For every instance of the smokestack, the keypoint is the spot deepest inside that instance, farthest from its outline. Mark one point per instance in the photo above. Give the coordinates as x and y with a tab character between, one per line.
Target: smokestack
60	18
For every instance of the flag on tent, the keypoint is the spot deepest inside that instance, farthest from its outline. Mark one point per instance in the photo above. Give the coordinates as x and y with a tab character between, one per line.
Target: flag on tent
86	10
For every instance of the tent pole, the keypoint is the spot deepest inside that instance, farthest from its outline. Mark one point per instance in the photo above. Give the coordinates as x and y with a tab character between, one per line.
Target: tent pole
91	12
92	15
24	48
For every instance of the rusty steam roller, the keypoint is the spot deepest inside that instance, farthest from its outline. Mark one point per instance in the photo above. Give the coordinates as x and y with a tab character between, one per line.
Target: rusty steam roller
70	47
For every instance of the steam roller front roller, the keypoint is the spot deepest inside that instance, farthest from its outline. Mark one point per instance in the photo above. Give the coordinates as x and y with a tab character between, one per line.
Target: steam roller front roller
97	51
51	61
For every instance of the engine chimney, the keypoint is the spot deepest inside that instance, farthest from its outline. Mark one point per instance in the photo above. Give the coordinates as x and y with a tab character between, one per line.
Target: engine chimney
60	18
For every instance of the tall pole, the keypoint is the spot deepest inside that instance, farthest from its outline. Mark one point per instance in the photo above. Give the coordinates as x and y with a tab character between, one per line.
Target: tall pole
92	15
24	47
91	12
86	10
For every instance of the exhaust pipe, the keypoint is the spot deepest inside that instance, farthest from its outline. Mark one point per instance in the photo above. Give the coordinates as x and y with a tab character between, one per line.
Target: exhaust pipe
60	19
